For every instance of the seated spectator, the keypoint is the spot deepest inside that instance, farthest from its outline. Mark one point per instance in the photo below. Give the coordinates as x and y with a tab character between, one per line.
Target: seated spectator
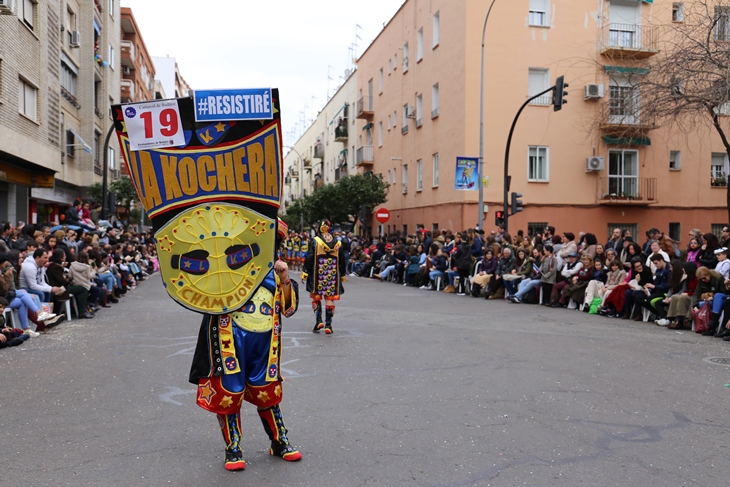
571	268
414	262
27	307
676	281
631	252
601	289
32	276
680	304
590	243
569	246
9	337
600	254
396	257
81	274
658	289
610	256
461	261
57	277
655	250
506	266
642	276
487	268
596	283
522	270
710	283
693	251
533	281
575	289
707	257
439	266
723	264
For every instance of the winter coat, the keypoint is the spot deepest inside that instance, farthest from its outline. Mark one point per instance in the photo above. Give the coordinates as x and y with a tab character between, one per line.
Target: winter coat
81	274
505	266
462	257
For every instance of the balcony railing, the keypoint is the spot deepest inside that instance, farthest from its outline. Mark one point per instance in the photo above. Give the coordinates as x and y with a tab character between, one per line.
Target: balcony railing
365	107
127	49
341	132
634	41
318	183
622	113
340	173
319	151
404	129
364	155
627	190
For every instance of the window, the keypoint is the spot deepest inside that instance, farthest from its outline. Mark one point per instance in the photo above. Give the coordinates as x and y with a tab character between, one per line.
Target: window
633	229
70	143
380	134
716	228
675	160
435	101
353	158
404	127
395	61
388	121
111	8
623	173
675	231
539	81
388	176
380	79
419	46
419	175
678	12
111	56
434	228
718	175
395	176
28	12
390	66
419	110
624	102
68	79
539	13
395	119
28	100
405	178
722	23
405	58
436	170
97	162
436	30
405	229
538	165
112	159
533	228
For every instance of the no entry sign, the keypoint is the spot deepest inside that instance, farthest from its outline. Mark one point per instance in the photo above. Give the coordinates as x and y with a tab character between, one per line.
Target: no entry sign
382	215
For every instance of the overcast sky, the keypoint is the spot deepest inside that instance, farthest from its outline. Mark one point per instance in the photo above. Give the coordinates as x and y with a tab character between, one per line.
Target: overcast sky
285	44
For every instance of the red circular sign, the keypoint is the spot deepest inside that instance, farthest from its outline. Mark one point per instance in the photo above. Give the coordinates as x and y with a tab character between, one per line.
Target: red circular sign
382	215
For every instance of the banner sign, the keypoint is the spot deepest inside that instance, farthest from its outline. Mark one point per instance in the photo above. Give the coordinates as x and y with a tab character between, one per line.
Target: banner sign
212	189
467	174
223	105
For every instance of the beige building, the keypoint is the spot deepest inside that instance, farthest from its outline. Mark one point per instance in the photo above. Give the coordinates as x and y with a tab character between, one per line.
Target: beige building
54	102
418	103
325	153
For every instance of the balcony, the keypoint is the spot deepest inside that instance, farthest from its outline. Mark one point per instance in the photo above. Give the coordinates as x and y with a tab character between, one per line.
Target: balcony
365	107
341	132
307	164
127	54
340	173
627	190
127	90
365	156
629	41
319	150
319	182
623	116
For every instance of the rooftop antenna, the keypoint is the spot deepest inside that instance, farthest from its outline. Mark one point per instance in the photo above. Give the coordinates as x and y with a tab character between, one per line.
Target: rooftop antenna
357	36
329	78
313	114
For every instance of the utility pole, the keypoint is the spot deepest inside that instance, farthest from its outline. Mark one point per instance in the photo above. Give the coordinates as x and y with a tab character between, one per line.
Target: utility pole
480	169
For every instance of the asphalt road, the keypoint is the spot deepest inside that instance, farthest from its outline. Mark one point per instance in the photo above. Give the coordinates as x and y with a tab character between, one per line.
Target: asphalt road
415	388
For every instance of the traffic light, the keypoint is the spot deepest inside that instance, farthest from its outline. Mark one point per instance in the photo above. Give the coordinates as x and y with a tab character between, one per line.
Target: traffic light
499	218
559	94
516	208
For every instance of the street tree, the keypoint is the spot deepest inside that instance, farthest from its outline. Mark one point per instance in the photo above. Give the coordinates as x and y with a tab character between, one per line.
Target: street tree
687	85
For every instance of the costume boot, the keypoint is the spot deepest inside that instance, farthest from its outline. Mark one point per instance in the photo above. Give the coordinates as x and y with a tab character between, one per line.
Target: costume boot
231	427
712	325
329	312
318	324
274	426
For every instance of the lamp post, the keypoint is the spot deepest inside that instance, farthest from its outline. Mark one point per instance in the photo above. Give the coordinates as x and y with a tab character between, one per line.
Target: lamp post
481	127
105	170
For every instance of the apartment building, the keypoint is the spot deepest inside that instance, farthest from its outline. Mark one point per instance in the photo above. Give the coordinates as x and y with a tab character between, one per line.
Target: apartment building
59	73
168	73
138	70
418	94
325	153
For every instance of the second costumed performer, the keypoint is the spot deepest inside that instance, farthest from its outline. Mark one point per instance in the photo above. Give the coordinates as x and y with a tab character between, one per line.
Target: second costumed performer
324	272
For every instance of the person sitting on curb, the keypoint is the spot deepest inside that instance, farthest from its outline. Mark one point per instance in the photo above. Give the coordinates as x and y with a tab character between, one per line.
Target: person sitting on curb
9	337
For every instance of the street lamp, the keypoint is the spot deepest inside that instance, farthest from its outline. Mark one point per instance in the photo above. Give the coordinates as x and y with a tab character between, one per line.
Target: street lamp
481	128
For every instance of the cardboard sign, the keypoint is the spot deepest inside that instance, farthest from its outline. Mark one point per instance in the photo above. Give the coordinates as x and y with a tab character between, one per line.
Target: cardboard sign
229	105
153	125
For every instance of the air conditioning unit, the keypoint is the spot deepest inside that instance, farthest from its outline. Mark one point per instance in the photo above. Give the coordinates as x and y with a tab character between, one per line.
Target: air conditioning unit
410	112
593	92
75	38
595	164
115	173
6	7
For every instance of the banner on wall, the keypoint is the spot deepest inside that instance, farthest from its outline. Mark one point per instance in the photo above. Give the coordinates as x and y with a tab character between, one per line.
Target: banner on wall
467	174
212	188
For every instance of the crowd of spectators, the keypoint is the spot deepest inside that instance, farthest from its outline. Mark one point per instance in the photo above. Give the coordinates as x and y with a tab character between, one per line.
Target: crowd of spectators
620	278
90	261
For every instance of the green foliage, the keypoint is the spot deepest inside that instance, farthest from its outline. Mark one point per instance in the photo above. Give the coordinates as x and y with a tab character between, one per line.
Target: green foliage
339	202
123	190
95	191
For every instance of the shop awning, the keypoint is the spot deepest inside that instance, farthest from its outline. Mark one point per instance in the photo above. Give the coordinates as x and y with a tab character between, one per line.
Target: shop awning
626	141
368	125
625	70
338	112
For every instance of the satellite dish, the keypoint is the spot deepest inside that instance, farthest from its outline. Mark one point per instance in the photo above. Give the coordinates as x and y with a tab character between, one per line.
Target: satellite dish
348	72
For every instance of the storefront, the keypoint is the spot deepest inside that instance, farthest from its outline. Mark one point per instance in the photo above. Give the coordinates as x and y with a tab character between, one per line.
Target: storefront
47	204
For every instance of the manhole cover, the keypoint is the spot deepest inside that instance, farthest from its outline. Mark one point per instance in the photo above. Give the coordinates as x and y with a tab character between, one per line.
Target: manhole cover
718	360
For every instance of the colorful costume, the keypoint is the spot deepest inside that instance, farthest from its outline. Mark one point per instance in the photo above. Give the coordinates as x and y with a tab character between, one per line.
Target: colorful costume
324	272
213	204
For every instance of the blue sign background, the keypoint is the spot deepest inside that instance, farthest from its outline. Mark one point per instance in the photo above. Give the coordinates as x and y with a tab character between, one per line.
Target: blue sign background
229	105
